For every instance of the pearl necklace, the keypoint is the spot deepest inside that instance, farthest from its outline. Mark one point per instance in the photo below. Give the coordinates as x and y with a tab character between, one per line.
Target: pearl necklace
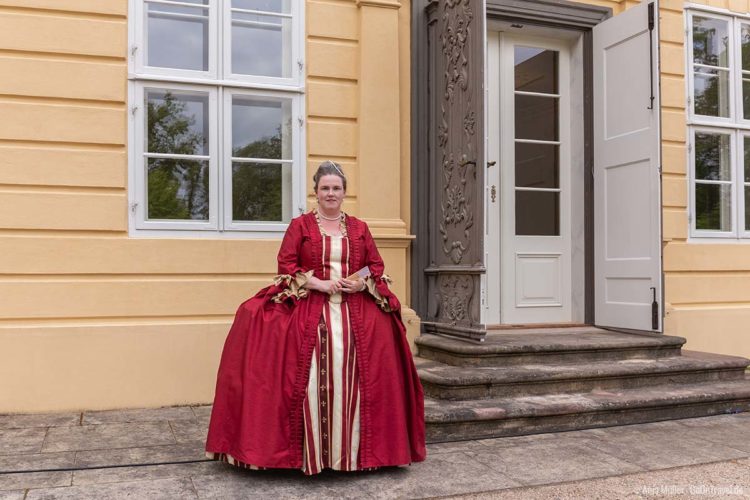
329	218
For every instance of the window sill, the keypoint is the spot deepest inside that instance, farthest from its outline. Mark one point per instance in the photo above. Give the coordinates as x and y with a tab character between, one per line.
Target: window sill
207	235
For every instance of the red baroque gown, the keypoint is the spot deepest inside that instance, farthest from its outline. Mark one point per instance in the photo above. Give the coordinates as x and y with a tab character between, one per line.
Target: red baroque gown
313	381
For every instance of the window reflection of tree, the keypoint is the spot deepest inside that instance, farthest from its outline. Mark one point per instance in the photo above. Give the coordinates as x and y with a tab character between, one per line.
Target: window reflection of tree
712	95
257	187
712	201
177	188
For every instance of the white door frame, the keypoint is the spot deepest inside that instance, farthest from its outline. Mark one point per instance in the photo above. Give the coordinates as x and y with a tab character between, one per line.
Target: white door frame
500	296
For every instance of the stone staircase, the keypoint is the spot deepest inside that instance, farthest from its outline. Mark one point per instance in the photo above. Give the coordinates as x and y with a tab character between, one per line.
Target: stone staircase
528	381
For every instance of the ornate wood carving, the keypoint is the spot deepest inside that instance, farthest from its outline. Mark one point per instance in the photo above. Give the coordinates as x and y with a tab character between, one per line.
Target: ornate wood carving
456	291
458	157
456	62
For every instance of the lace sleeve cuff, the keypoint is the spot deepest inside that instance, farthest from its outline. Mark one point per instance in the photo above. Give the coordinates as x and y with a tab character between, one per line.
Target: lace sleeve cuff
293	286
373	290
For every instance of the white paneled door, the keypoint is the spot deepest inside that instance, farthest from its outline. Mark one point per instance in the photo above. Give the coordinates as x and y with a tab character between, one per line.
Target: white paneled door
627	222
528	191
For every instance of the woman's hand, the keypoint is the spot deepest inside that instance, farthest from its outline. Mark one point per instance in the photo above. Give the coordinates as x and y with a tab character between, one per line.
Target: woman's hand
352	286
326	286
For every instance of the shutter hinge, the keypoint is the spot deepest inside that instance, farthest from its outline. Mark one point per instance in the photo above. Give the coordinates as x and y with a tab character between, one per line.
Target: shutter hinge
133	110
651	16
654	311
300	64
133	206
651	53
133	50
301	121
301	209
690	217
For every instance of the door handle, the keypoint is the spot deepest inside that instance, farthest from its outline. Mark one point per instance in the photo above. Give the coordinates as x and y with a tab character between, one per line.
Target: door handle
491	164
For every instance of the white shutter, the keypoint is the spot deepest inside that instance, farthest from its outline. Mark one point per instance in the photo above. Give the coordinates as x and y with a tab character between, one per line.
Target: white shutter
627	187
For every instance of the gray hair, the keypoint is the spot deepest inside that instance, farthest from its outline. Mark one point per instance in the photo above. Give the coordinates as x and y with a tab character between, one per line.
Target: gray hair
328	167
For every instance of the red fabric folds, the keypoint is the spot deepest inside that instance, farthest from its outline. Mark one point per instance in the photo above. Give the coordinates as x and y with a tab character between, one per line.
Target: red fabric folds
257	412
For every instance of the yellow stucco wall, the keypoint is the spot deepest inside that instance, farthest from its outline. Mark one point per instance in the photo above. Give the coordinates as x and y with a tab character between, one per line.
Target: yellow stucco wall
707	285
91	318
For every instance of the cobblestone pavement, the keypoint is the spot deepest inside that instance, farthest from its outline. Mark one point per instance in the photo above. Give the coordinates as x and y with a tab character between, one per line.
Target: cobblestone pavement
158	453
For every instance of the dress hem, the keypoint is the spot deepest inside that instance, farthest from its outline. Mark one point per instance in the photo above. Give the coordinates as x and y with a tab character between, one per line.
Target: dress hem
229	459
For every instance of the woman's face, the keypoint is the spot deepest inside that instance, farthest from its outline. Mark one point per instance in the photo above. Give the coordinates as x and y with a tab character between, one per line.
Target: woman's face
330	193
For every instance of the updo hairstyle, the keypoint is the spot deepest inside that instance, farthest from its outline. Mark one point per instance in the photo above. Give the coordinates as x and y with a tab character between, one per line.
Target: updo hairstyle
328	167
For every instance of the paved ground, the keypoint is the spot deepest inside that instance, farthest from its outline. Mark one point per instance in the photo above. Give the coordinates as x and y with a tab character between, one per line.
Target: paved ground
96	455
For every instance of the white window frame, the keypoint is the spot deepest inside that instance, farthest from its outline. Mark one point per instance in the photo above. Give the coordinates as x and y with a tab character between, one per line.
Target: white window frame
740	183
736	126
714	120
139	42
693	181
297	175
297	49
139	174
220	86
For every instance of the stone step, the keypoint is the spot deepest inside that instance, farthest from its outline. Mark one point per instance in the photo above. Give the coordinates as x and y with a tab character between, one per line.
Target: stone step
514	416
547	346
476	382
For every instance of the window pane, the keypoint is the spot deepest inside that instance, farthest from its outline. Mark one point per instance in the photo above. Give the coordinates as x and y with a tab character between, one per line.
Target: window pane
537	213
746	98
261	128
537	165
177	189
712	160
260	191
712	92
747	208
746	154
282	6
261	45
177	37
710	41
745	40
536	117
177	122
536	70
713	207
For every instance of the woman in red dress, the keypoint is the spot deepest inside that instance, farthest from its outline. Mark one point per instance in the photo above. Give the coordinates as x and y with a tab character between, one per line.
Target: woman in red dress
316	370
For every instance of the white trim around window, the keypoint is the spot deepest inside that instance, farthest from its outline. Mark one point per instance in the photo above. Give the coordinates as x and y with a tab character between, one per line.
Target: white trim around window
731	157
206	27
175	11
141	157
291	60
292	179
723	206
219	158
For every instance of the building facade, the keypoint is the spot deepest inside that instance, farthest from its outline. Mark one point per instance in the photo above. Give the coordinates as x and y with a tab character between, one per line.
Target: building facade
540	162
138	138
